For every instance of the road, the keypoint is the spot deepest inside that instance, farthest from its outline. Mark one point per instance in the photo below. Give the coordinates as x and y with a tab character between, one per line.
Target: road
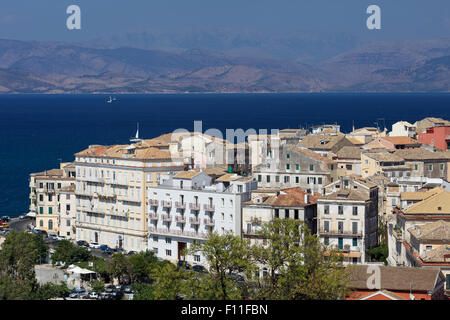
20	224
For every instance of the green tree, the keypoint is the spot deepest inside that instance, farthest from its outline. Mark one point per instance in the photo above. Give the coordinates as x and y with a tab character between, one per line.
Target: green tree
139	268
226	255
50	290
97	286
299	266
118	266
20	252
170	282
143	291
68	253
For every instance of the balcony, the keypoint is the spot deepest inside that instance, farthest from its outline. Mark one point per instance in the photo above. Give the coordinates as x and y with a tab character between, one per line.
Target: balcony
49	190
153	216
166	204
153	202
209	222
180	219
334	232
180	233
180	205
194	206
166	217
194	220
208	207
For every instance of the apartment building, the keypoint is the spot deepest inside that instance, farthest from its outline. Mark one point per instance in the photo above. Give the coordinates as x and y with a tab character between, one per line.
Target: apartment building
45	190
348	159
403	129
67	212
383	162
348	217
266	205
111	191
434	207
425	163
292	166
189	205
324	144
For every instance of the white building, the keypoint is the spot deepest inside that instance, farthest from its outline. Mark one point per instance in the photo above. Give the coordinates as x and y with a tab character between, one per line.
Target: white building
67	212
403	129
188	205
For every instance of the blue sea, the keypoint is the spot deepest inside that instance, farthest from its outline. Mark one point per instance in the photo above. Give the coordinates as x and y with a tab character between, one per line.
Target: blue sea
40	131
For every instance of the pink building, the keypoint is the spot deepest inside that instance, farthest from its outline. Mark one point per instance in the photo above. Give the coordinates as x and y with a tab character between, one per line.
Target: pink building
437	136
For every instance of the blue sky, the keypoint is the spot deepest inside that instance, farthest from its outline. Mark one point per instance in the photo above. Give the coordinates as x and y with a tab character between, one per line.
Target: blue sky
401	19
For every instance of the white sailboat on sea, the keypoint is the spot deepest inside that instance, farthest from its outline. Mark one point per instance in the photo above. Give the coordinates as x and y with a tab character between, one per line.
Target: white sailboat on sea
136	138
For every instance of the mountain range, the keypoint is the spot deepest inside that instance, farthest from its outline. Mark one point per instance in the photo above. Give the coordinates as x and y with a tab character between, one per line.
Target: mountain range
96	67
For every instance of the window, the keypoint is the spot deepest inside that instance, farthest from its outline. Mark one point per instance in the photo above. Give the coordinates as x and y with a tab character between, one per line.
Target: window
430	167
355	211
348	167
168	240
196	258
326	241
50	198
277	178
155	238
67	207
286	179
288	166
416	167
355	227
277	213
340	226
297	180
268	178
296	214
168	252
50	210
441	166
288	156
41	197
319	180
428	248
67	223
259	178
297	167
326	226
355	242
341	243
340	209
326	209
311	167
41	223
41	210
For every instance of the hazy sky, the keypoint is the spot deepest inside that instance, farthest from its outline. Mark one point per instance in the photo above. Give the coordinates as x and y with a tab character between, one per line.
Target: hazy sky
401	19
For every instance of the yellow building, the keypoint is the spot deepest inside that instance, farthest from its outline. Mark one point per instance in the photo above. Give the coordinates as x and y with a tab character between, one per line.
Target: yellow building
386	163
45	188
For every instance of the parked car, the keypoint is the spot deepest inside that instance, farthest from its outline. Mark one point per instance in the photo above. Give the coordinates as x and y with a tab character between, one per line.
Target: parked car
184	264
52	236
108	251
119	287
117	295
105	296
5	218
131	252
128	289
103	247
110	288
82	243
78	293
4	225
94	245
198	268
59	238
93	295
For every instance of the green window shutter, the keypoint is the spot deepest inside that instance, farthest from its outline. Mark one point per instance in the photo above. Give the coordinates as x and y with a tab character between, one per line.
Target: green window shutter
297	167
50	210
41	210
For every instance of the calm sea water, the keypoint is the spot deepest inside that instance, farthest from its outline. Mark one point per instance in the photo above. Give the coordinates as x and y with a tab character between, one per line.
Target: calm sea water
37	132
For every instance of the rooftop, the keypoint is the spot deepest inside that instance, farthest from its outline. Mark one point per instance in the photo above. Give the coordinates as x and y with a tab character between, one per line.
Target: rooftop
438	203
439	230
349	152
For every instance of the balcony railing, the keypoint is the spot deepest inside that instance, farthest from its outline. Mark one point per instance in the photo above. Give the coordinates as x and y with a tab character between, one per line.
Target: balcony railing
153	202
153	216
255	220
338	232
194	220
166	217
181	233
194	206
208	207
209	222
166	204
180	205
180	219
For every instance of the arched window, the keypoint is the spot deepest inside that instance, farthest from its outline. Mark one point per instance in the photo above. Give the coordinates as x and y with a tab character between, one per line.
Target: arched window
50	224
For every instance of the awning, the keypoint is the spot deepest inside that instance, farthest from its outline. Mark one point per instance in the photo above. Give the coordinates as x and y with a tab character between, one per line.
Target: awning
79	270
31	214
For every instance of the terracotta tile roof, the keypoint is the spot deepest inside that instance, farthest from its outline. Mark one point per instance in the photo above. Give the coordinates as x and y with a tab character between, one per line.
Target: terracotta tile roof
401	140
187	174
438	255
311	154
355	141
293	197
384	156
421	154
121	151
320	142
229	177
345	194
439	230
349	152
420	195
52	172
436	204
396	278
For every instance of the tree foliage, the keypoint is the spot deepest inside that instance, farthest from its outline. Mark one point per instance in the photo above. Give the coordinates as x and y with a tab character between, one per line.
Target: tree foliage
68	253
